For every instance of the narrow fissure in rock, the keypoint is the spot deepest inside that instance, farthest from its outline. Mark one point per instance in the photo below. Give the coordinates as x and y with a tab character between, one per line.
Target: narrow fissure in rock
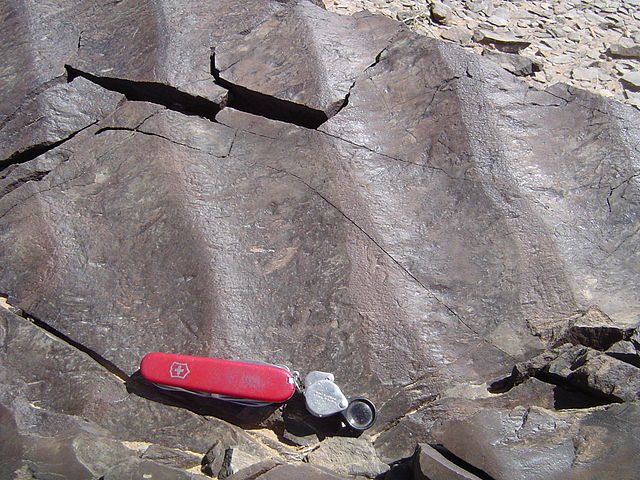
263	105
106	364
152	92
582	395
31	177
37	150
446	453
568	398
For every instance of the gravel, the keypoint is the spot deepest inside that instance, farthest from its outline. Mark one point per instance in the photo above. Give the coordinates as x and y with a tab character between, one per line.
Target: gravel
589	44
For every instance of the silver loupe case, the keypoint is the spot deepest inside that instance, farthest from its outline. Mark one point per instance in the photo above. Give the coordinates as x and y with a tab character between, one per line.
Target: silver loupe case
324	398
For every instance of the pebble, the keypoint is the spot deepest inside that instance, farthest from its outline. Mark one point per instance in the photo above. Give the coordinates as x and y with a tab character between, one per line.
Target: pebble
511	62
498	21
566	36
633	98
440	13
505	42
561	59
585	74
617	50
461	35
631	80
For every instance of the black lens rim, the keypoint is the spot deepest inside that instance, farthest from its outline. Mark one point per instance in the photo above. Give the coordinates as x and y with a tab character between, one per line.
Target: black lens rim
361	400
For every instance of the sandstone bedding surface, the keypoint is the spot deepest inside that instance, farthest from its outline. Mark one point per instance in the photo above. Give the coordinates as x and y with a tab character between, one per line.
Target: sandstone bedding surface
270	181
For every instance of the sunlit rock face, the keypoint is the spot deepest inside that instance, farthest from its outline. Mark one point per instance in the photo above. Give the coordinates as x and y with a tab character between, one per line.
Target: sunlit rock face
267	181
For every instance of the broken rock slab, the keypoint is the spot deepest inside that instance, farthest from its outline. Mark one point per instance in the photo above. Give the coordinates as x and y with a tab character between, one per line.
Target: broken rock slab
172	457
296	472
221	462
349	456
631	81
524	443
594	373
598	372
52	116
501	41
306	56
146	469
511	62
430	464
621	51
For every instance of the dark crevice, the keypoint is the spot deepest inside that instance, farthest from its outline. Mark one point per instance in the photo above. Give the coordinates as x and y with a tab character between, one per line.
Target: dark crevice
599	398
565	397
568	392
263	105
505	384
106	364
34	176
630	358
453	458
30	153
345	102
37	150
152	92
399	470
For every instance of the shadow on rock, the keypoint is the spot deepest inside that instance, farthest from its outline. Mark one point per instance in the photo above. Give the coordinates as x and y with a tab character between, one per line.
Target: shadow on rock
239	415
302	428
570	398
294	425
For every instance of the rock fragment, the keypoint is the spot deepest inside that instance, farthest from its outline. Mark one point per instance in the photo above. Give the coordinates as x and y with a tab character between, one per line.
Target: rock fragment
171	457
503	42
146	469
461	35
524	443
620	51
430	464
222	462
586	74
597	372
349	456
514	63
440	12
292	472
631	81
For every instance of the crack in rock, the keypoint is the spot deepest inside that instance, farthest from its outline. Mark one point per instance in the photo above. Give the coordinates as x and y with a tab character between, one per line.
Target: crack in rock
268	106
461	463
32	94
111	367
394	260
153	92
36	150
345	102
152	134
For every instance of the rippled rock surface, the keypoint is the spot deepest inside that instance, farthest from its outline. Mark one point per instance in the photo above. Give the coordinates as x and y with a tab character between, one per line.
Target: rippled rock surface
268	181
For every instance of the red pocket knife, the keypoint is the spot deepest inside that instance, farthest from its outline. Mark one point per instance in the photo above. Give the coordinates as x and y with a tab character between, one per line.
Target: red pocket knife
254	384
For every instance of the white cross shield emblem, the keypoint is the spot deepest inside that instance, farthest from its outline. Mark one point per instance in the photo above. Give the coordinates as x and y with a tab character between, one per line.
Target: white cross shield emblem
179	370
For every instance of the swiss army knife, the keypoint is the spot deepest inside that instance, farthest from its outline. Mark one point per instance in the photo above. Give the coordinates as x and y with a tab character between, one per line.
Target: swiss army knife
255	384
